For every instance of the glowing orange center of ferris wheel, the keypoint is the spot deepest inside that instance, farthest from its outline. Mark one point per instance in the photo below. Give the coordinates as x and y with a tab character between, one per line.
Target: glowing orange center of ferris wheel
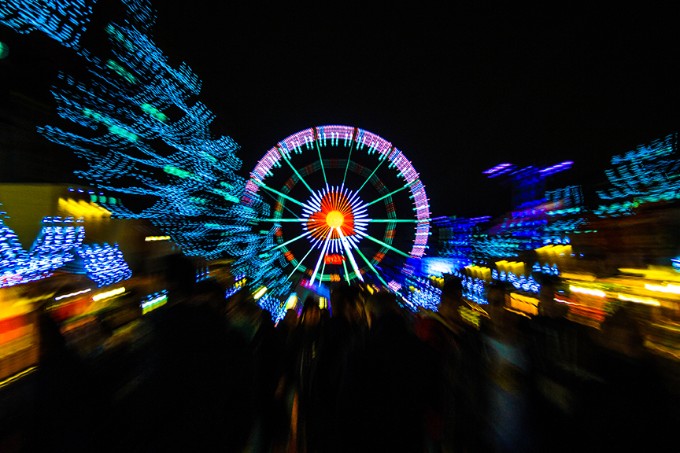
336	212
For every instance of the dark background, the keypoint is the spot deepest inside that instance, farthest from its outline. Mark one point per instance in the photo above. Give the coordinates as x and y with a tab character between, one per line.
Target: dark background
458	87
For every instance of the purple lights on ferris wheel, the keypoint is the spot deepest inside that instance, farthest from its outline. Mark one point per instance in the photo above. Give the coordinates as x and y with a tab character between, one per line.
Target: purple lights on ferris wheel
356	141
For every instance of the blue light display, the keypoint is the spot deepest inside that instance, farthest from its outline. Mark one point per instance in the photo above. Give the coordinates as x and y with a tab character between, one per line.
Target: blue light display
138	126
62	20
104	263
58	244
420	293
66	21
646	175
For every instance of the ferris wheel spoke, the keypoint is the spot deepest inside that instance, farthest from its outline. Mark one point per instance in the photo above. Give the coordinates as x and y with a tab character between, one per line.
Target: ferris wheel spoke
393	220
299	264
348	250
384	244
349	159
323	170
287	219
305	234
405	186
344	266
371	175
375	271
321	255
281	194
282	204
285	158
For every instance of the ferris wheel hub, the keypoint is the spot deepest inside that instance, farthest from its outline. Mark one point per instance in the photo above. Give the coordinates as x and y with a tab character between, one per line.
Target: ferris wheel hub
335	219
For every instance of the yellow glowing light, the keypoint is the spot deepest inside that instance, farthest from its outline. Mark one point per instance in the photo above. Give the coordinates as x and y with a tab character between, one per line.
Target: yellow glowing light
17	376
516	267
480	271
524	303
82	208
587	291
556	250
156	238
260	292
672	289
291	302
639	299
335	219
654	273
108	294
578	276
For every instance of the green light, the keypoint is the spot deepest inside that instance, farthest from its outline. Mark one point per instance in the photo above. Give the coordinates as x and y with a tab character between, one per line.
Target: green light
153	111
121	71
176	171
123	133
4	50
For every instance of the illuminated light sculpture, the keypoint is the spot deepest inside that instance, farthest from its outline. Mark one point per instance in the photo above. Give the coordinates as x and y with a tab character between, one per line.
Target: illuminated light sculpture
456	237
56	243
649	174
421	294
138	125
335	189
104	263
65	21
527	183
59	245
529	224
13	257
153	301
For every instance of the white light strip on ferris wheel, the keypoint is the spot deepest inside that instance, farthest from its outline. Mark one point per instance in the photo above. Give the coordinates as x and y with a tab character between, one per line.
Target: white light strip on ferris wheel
348	251
321	256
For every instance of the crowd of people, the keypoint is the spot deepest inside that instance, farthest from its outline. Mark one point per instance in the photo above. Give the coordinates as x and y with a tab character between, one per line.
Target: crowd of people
366	373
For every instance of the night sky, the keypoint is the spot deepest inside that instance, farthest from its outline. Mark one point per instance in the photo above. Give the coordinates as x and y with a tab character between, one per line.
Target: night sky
457	89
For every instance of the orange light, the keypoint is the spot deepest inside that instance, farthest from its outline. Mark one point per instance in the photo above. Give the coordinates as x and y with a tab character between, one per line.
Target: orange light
336	213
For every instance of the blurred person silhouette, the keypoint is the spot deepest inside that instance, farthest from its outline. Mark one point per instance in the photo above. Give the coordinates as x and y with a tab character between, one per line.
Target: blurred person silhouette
338	371
65	414
392	415
252	327
201	396
507	399
632	407
307	350
284	343
467	370
439	354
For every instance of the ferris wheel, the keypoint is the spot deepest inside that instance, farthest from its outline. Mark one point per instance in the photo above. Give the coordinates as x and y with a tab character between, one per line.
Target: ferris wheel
346	205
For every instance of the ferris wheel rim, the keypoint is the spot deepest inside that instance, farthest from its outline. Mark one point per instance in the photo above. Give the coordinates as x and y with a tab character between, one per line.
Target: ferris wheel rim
316	138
